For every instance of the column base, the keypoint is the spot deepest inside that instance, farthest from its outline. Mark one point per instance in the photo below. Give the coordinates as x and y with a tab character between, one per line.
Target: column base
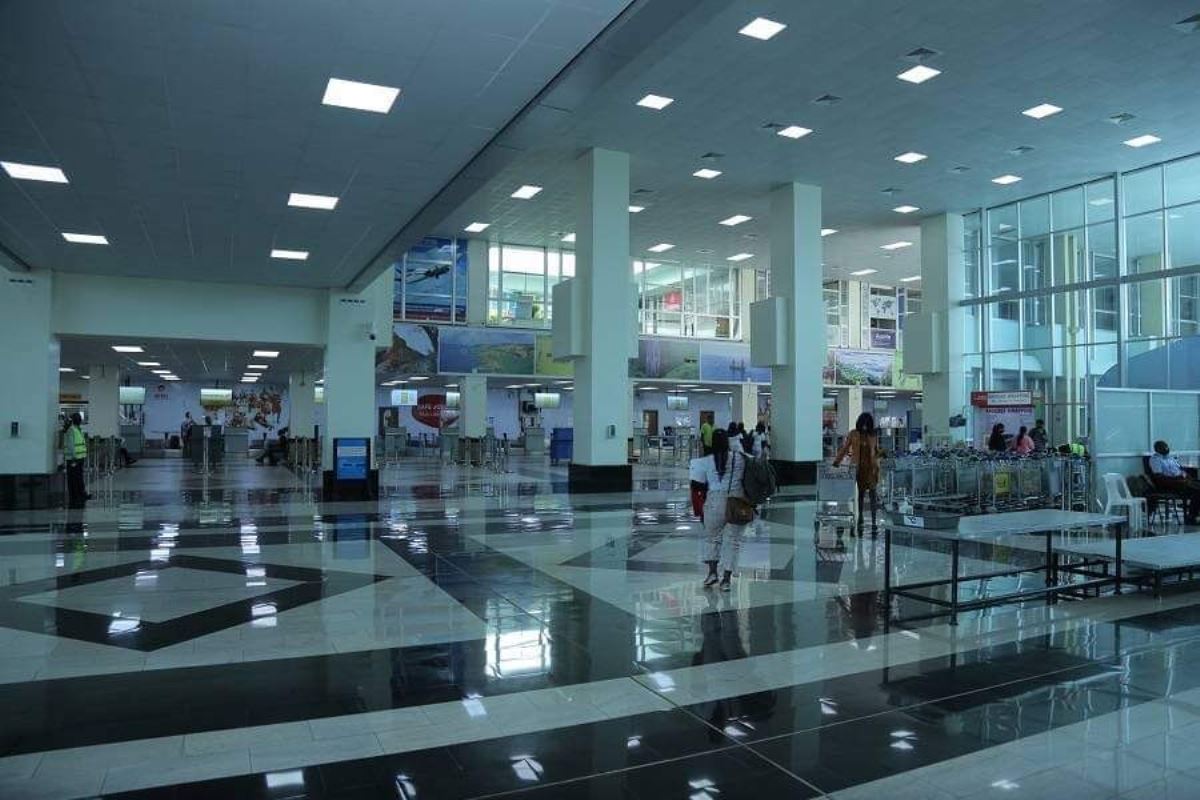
332	490
32	491
588	478
795	473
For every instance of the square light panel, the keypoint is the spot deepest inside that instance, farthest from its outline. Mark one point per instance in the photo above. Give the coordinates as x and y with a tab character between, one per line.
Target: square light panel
828	231
527	192
266	354
569	238
319	201
910	279
636	209
858	273
85	238
65	369
127	348
477	227
360	96
707	174
919	74
1006	180
1042	111
793	132
258	366
895	246
736	219
661	247
291	255
33	172
1142	141
905	209
162	372
762	28
655	101
740	257
911	157
148	364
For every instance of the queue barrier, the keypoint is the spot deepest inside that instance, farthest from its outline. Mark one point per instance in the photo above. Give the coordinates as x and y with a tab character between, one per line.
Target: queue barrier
970	482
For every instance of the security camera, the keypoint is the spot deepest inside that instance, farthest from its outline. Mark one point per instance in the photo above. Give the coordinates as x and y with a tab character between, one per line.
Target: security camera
370	331
371	336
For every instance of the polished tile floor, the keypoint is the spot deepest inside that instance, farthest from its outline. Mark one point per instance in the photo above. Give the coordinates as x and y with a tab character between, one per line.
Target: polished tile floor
474	634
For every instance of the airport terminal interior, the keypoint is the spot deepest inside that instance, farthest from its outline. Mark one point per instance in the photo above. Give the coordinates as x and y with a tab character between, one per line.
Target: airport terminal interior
650	399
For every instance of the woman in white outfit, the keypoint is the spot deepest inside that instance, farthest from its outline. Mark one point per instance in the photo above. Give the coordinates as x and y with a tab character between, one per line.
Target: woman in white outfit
723	471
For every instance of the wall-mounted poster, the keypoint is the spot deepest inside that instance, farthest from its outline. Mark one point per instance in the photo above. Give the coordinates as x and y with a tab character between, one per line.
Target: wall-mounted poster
828	371
544	363
883	340
491	350
673	359
863	368
413	352
730	362
882	306
431	281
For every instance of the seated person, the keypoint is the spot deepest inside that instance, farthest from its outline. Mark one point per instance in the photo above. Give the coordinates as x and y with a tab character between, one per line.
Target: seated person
1170	476
274	451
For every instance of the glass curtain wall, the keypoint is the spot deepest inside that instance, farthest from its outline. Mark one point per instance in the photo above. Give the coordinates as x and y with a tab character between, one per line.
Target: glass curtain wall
1064	287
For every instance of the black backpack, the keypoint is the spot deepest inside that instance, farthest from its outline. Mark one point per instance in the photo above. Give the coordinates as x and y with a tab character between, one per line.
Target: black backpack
748	443
758	480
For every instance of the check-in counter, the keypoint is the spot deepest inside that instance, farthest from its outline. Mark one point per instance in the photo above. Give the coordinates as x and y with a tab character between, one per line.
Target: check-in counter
237	441
135	441
535	441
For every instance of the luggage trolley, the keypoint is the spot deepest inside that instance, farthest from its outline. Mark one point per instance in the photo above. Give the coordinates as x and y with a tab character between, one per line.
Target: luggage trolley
837	493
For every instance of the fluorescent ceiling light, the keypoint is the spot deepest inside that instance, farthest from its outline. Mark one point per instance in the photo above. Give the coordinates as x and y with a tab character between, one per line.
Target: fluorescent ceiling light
360	96
706	173
910	279
254	375
1143	140
905	209
655	101
477	227
419	378
636	209
895	245
127	348
762	28
266	354
162	372
1042	111
148	364
736	219
911	157
292	255
828	231
740	257
32	172
793	132
919	74
527	192
860	272
170	377
661	247
65	369
321	201
258	366
249	380
1005	180
569	238
85	238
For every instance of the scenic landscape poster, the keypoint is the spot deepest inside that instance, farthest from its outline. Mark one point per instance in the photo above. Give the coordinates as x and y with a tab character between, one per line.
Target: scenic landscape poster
863	368
545	364
499	352
730	362
413	352
667	358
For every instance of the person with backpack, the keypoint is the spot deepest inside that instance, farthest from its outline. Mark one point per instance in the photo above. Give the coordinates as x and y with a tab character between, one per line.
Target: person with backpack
862	446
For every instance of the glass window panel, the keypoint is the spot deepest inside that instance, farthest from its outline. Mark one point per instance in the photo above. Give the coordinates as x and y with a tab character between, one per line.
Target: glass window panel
1070	319
1002	223
1100	201
1070	258
568	264
972	241
1122	422
1067	208
972	341
1035	216
1175	418
1105	317
1102	250
1142	190
1146	303
1183	181
1003	319
1183	236
1005	268
1035	263
1144	243
1185	301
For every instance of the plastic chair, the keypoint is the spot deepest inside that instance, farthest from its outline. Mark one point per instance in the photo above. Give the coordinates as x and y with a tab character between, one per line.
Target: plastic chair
1119	496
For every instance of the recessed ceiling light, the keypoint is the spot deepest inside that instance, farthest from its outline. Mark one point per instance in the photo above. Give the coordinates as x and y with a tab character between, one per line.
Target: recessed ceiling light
148	364
527	192
1042	111
569	238
740	257
258	366
477	227
252	375
293	255
170	377
127	348
85	238
1006	180
736	219
911	157
655	101
895	246
419	378
828	231
266	354
661	247
905	209
762	28
249	380
321	201
793	132
919	74
860	272
360	96
706	173
1143	140
32	172
162	372
636	209
65	369
910	279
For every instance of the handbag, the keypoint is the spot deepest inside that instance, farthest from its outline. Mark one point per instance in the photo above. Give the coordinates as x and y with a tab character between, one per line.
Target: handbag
738	510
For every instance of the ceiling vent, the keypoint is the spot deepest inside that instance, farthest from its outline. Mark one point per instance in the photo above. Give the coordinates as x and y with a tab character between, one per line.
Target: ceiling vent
643	191
773	126
827	100
1189	25
1120	119
959	170
704	251
920	55
1020	150
889	191
712	156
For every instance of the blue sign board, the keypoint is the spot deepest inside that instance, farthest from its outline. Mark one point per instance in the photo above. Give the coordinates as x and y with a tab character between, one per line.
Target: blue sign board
352	459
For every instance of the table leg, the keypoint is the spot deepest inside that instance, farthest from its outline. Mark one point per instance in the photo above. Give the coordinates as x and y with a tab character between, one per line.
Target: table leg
887	571
954	582
1117	567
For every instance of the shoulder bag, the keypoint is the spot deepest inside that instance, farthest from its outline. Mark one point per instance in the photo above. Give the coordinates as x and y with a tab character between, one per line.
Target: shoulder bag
738	510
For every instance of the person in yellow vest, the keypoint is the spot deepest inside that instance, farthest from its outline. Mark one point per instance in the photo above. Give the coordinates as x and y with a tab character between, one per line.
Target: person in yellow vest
74	445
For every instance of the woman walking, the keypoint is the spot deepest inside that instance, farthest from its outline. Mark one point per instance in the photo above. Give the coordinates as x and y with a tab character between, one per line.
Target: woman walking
723	471
862	445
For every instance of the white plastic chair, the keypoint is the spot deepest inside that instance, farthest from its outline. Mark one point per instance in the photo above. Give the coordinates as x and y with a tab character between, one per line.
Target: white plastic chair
1119	496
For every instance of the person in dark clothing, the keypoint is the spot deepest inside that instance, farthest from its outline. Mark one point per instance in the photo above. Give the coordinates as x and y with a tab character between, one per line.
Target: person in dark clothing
997	442
1038	434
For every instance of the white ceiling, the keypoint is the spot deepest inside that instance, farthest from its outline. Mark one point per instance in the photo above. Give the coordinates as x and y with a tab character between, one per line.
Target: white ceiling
183	127
1094	58
190	360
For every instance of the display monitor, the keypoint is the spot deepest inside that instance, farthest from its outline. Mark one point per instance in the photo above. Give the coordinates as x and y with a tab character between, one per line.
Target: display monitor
404	397
216	398
677	402
132	395
547	399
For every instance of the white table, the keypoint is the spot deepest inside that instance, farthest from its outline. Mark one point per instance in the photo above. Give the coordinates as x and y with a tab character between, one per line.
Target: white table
994	528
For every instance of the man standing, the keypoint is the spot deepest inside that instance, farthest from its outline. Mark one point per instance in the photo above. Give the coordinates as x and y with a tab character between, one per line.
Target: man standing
706	434
1038	435
74	456
1169	476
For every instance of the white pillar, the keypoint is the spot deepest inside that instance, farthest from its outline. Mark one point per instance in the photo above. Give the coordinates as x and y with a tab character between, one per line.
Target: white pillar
747	285
477	281
29	360
849	406
103	396
301	403
745	405
602	266
473	403
349	372
942	288
796	276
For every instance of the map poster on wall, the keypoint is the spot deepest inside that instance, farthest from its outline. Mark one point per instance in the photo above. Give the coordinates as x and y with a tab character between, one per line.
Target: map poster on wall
413	352
883	340
863	368
489	350
730	362
544	363
672	359
882	306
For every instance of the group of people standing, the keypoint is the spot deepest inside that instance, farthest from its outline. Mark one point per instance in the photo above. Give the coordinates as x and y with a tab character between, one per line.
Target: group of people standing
1025	442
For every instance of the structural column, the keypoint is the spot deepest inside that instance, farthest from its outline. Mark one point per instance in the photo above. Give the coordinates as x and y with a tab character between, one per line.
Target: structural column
942	288
473	403
29	361
745	405
301	404
477	281
349	377
849	406
103	396
796	276
602	267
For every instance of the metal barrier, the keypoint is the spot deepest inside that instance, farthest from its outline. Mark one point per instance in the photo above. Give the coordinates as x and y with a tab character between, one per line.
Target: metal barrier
975	482
304	455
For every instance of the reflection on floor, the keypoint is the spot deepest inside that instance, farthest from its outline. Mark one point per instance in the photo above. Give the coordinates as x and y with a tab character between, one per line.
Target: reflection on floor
473	634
